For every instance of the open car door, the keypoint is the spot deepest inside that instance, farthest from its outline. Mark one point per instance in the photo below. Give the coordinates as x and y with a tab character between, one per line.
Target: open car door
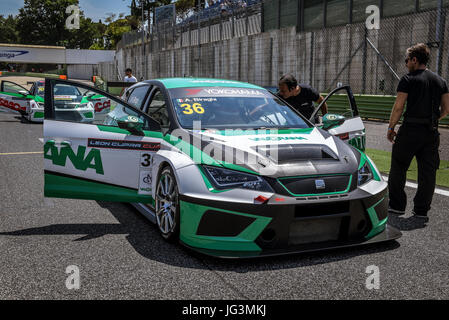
13	97
342	119
109	158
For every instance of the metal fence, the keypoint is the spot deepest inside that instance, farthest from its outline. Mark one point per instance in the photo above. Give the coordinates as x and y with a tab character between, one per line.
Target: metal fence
232	45
212	25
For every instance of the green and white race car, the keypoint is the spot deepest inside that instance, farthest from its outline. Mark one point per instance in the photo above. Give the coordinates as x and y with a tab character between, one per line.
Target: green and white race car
224	167
76	104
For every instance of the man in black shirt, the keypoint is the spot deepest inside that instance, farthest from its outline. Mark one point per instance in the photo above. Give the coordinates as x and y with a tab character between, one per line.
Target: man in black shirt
424	92
300	96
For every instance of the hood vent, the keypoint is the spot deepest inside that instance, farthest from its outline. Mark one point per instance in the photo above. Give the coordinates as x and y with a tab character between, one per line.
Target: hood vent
290	153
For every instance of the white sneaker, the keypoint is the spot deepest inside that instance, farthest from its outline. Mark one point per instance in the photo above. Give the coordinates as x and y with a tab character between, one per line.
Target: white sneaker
420	216
398	212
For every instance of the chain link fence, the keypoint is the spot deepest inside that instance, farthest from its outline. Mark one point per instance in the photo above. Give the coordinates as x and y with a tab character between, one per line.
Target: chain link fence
232	45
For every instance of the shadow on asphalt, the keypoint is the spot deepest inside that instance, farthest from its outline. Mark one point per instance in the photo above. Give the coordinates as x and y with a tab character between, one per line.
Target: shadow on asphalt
145	239
20	119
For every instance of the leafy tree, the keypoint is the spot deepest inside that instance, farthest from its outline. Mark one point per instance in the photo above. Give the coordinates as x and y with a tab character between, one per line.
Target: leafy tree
115	29
43	22
8	30
183	7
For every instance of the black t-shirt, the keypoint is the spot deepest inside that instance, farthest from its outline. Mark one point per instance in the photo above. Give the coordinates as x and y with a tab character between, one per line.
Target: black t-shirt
303	102
424	89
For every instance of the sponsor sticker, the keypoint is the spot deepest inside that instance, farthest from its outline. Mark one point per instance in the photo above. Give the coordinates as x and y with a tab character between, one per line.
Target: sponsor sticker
145	182
123	144
65	97
11	105
100	106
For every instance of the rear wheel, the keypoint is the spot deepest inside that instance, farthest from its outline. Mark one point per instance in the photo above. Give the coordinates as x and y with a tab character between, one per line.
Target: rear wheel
167	205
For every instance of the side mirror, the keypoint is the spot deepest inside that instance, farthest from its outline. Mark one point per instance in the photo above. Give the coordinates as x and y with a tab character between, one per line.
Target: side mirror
24	92
131	123
332	120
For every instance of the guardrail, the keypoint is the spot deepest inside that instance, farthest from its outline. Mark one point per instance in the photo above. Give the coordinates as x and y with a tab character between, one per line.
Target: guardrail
113	87
370	106
32	74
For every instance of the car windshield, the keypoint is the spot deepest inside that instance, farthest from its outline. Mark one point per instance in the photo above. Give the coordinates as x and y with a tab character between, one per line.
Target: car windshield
232	108
59	90
41	89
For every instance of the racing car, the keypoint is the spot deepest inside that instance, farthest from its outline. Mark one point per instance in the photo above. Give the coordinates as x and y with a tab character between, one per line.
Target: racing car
224	167
74	103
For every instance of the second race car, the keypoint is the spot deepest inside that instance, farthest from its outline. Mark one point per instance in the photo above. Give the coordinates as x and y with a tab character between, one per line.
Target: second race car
81	105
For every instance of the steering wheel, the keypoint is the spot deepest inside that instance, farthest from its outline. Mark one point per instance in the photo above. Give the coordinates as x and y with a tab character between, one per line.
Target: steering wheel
253	113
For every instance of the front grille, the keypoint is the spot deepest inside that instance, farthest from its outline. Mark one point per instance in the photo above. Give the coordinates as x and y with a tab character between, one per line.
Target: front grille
321	209
307	186
314	230
66	106
68	116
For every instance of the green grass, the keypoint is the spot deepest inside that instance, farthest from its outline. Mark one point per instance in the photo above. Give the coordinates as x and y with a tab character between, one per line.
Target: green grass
382	159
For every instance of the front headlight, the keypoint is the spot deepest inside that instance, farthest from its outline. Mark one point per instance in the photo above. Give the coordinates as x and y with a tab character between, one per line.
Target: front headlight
229	179
365	174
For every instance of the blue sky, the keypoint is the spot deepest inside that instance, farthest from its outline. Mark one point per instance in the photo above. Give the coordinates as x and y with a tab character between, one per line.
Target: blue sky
94	9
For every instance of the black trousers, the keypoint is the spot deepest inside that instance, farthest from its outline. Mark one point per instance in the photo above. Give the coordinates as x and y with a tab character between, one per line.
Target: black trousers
411	141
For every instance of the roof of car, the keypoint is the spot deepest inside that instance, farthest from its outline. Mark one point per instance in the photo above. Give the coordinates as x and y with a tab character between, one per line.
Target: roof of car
171	83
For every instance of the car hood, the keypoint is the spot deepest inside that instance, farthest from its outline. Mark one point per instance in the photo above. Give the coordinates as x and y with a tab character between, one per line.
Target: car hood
275	153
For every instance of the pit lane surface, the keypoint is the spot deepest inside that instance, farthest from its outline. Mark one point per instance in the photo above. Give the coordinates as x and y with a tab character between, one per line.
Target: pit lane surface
121	255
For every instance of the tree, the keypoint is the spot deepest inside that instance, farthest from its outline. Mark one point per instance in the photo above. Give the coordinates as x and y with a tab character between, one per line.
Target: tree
8	30
43	21
183	7
115	29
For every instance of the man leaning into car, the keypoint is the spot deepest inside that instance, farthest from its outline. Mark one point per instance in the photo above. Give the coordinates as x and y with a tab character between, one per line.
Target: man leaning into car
300	96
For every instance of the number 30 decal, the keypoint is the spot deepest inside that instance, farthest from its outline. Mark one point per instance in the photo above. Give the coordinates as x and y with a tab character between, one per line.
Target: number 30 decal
190	109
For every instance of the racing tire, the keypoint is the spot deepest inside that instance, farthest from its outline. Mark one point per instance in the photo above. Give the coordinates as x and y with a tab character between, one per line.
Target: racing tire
167	205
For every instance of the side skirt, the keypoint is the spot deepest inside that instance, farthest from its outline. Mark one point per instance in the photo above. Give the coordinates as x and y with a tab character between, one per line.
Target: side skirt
146	211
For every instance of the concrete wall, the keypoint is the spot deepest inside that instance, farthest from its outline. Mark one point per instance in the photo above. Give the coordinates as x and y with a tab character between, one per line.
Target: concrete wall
81	71
322	58
74	56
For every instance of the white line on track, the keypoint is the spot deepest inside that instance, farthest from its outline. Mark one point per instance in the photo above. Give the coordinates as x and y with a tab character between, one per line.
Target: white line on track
415	186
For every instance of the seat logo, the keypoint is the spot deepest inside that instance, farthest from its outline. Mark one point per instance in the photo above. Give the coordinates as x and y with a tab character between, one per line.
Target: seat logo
320	185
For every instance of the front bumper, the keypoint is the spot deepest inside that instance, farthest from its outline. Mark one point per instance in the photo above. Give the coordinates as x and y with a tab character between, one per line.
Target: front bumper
292	225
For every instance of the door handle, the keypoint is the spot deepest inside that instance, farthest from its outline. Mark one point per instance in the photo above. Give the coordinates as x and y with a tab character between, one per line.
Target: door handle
60	143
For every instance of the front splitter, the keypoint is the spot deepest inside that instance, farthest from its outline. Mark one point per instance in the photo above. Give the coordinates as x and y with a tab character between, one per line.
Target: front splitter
389	234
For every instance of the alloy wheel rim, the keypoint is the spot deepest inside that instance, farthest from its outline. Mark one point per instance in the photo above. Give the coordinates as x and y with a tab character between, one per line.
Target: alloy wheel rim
166	201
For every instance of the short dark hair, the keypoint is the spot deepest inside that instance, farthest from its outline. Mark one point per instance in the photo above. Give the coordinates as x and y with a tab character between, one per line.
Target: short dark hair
128	70
419	51
289	80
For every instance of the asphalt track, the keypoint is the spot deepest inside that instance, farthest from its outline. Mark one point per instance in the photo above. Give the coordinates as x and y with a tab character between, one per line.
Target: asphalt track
120	255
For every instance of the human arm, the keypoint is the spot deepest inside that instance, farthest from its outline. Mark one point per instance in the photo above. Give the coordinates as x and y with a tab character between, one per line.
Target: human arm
396	114
324	109
444	106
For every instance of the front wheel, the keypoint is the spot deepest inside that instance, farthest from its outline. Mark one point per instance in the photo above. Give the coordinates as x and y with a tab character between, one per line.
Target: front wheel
167	205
